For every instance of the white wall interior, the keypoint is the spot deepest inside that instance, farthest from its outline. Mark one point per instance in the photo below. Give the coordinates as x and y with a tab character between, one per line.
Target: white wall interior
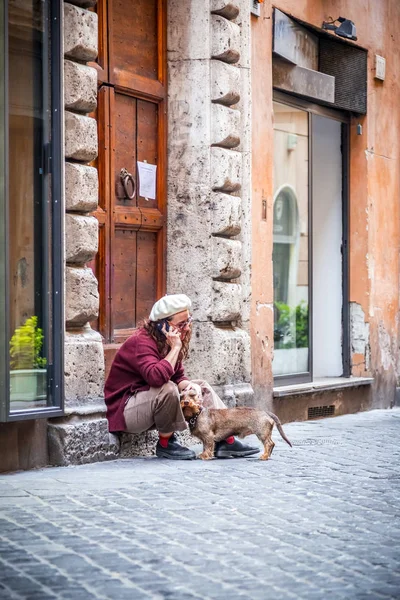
327	241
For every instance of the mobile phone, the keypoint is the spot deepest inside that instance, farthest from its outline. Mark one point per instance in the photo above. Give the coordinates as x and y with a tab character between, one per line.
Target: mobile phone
161	325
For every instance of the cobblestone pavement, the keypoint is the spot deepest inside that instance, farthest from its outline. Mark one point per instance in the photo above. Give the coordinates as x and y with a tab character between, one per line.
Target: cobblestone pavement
320	520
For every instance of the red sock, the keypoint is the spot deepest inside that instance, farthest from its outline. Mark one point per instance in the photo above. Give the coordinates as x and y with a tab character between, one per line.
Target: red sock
163	440
230	440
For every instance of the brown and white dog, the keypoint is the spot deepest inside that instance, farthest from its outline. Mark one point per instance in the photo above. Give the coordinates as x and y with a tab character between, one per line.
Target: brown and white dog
212	425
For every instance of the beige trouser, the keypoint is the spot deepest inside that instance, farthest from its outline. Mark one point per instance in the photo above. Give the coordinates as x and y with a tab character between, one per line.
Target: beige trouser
159	408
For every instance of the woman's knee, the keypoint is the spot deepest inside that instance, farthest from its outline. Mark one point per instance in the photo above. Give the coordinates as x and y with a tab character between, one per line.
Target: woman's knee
169	392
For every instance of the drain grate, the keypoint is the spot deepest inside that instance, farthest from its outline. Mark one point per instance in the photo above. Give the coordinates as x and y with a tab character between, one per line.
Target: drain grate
316	412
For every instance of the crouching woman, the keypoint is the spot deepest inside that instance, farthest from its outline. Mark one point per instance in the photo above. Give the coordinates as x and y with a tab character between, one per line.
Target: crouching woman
146	378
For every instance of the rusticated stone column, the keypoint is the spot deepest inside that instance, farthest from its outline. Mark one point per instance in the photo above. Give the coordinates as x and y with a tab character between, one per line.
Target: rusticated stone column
209	185
81	183
81	436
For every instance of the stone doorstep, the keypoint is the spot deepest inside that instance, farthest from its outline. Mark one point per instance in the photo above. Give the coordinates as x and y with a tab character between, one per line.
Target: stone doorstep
320	385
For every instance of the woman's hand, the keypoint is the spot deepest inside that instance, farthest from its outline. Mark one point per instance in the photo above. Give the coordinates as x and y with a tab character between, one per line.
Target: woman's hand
173	338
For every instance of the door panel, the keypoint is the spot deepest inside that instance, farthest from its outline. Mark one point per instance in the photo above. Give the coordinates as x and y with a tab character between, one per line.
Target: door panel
124	279
147	139
124	142
146	273
140	55
136	45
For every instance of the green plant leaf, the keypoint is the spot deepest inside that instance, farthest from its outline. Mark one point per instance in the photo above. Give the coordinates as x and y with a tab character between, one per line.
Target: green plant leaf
290	325
26	346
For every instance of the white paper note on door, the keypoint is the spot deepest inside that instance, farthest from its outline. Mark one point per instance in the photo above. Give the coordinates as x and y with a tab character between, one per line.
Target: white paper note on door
147	180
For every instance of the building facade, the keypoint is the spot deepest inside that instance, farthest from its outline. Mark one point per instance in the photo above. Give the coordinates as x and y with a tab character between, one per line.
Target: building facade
239	152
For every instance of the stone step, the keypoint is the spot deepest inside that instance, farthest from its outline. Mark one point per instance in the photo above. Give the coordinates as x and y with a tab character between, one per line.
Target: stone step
81	435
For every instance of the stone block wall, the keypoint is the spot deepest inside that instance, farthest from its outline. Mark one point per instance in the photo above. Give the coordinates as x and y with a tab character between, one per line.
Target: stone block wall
209	185
82	435
81	191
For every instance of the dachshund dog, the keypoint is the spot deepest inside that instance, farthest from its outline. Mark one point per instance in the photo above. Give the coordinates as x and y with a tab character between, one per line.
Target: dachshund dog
212	425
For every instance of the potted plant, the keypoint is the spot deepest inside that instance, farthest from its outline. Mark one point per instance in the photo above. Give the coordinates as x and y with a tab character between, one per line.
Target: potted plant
28	376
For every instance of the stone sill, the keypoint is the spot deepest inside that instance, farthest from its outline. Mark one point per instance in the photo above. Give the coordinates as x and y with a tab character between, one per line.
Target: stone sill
320	385
93	408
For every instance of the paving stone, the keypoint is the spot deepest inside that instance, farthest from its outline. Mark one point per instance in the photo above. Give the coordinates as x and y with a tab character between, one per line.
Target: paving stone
75	593
317	521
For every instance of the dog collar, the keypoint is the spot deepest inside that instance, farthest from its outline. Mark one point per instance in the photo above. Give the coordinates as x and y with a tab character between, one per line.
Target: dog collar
193	420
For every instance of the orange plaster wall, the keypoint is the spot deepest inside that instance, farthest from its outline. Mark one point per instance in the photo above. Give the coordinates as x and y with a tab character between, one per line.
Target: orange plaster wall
374	188
262	316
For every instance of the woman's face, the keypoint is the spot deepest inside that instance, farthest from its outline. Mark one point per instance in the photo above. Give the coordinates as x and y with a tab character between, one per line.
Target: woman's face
181	322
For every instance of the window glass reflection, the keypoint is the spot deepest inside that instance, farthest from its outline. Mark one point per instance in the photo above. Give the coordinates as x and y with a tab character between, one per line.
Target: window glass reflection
290	241
27	189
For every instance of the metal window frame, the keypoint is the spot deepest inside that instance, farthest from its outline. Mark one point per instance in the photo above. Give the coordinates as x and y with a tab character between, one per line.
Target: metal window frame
344	118
346	354
56	164
4	359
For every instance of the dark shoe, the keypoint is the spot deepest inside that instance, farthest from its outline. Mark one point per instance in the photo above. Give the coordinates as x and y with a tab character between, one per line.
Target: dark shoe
235	450
174	450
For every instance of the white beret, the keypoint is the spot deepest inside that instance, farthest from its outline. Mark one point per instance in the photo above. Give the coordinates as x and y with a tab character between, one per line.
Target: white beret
170	305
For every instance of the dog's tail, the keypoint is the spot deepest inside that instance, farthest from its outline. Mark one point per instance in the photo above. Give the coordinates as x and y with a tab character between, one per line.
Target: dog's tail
279	428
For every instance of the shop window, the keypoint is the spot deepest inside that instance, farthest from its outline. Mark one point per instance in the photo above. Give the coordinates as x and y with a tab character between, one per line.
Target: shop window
30	211
309	261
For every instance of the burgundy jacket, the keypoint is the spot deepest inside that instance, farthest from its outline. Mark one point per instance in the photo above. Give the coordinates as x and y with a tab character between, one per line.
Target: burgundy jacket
137	366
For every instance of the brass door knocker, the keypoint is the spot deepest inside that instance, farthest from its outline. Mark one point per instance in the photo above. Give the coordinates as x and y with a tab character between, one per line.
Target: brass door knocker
128	181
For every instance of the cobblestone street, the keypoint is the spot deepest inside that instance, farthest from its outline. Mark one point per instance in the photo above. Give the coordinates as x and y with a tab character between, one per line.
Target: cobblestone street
320	520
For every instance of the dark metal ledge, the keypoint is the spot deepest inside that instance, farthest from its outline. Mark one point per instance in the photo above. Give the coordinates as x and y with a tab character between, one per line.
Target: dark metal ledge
320	385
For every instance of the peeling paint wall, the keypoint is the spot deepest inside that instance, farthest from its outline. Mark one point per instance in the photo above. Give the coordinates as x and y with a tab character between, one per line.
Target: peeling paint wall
359	340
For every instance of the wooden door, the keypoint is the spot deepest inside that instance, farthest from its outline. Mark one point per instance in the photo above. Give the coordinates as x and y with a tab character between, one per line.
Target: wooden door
131	114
